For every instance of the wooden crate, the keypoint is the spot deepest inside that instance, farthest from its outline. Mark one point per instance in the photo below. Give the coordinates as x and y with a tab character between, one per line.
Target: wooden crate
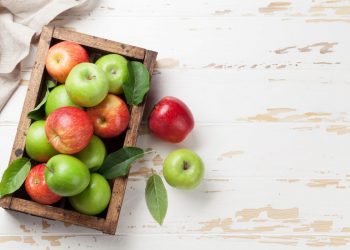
107	222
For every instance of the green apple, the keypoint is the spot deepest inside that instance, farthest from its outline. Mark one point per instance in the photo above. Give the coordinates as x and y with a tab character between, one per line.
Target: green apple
93	154
87	85
95	198
65	175
37	145
183	169
58	98
116	69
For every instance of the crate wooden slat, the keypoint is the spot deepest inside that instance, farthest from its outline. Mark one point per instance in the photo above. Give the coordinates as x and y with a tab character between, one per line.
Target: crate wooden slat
107	224
100	43
130	140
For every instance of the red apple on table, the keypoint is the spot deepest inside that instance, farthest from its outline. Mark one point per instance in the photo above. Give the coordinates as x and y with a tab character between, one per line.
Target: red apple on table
69	129
171	120
62	57
37	188
110	117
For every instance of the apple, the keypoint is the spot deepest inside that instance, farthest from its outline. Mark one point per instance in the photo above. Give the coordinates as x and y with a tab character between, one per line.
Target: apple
116	69
69	129
37	188
65	175
93	154
37	145
87	85
110	117
183	169
58	98
62	57
95	198
171	120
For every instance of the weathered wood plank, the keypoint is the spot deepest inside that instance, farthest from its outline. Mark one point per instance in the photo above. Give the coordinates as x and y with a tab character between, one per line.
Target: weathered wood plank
56	213
231	43
99	43
196	242
220	9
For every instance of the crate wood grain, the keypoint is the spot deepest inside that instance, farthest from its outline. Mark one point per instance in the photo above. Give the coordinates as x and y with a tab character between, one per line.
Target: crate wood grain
50	35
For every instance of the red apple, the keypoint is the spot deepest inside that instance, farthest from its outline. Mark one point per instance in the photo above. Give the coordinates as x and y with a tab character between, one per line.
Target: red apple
69	129
171	120
37	188
62	57
110	117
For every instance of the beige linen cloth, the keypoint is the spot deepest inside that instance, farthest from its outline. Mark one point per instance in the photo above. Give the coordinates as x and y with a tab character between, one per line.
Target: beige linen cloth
20	20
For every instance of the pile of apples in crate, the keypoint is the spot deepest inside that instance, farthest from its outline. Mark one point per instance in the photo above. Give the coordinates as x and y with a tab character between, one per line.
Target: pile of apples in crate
79	113
84	105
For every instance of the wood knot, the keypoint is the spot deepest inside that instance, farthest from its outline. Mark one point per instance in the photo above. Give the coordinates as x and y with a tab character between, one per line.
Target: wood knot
18	152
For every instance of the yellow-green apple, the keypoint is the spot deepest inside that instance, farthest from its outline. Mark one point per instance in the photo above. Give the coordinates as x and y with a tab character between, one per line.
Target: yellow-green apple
110	117
58	98
171	120
69	129
183	169
62	57
65	175
87	85
116	69
93	154
37	188
95	198
37	145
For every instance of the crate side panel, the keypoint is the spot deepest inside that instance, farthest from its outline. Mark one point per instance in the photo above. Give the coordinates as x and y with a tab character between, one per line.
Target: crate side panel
130	140
33	92
100	43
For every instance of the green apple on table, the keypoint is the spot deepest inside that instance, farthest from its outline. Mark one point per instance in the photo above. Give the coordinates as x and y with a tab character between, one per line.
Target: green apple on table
37	145
183	169
65	175
57	98
87	85
93	154
116	69
95	198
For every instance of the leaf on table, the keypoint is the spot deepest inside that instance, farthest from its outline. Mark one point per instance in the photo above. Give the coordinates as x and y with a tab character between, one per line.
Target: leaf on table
14	176
138	83
156	198
118	163
38	113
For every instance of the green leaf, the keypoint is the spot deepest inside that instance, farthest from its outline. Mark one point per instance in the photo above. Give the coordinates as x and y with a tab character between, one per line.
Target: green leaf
14	176
138	83
118	163
38	113
156	198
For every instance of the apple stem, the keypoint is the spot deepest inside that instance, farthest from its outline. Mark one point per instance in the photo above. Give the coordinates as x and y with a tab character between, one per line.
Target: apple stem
186	165
49	169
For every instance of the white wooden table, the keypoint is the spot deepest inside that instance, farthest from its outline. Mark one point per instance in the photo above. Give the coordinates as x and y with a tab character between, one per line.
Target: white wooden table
269	86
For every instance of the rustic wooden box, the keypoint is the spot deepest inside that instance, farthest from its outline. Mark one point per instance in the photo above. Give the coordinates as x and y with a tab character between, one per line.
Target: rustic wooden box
19	201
